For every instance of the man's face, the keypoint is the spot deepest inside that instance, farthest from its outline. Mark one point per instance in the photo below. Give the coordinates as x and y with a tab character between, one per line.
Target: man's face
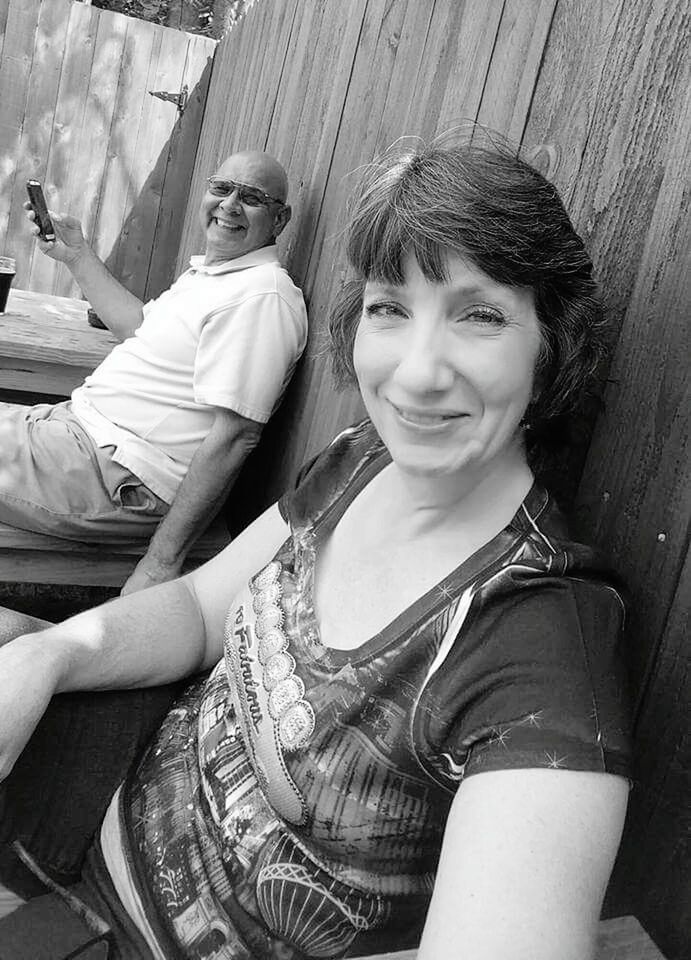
233	227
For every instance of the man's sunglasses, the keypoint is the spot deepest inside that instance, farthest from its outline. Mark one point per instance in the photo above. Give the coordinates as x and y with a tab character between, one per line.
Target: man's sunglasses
248	196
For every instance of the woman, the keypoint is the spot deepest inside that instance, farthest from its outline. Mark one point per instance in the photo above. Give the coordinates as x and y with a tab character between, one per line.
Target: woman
417	659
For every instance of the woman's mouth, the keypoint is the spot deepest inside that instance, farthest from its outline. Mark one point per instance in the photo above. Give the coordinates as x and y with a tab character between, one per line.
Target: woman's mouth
426	419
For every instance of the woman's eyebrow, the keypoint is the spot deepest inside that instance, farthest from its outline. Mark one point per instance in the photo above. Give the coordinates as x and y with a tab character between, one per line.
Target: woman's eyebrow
390	289
468	290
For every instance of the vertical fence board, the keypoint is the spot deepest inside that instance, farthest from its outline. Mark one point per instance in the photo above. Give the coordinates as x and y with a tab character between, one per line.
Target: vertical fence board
152	149
165	73
568	89
634	484
120	188
68	119
468	62
37	127
122	257
515	66
89	161
178	171
15	68
4	10
619	177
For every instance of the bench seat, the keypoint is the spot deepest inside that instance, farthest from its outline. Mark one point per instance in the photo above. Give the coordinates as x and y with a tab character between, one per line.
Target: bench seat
27	557
621	938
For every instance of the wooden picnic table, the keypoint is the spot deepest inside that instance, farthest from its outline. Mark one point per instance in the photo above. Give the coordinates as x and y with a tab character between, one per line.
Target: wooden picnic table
46	344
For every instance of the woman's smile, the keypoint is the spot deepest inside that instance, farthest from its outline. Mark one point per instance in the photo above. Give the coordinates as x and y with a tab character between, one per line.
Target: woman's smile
428	420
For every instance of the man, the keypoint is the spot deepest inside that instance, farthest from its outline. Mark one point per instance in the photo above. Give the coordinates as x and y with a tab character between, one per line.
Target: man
155	437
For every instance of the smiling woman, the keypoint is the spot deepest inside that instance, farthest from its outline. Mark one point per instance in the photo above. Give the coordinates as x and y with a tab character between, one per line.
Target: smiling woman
414	728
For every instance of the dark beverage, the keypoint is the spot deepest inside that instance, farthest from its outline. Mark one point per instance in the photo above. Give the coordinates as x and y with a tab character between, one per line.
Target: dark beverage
7	271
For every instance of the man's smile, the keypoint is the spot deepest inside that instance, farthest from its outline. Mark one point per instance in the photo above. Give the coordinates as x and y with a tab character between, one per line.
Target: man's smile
228	224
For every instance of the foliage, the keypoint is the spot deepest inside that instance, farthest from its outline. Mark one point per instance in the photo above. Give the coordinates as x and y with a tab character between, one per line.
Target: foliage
212	18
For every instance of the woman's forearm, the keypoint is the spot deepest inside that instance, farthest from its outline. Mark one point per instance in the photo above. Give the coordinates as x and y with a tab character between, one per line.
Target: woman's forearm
145	639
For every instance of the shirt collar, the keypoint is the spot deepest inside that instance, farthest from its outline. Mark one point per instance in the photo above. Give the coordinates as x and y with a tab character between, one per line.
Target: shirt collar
253	259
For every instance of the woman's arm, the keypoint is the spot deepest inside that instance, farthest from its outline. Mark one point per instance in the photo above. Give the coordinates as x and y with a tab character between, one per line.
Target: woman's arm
145	639
525	861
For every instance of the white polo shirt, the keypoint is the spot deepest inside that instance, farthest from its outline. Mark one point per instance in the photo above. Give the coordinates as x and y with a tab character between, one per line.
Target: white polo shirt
227	335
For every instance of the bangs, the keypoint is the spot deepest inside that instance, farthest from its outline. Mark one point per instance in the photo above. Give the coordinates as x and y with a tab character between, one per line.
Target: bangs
386	229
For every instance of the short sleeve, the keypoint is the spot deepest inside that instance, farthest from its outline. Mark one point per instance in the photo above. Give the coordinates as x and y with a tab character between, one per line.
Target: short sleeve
339	470
247	353
534	679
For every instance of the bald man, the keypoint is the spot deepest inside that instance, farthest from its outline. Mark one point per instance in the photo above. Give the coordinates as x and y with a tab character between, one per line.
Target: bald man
151	443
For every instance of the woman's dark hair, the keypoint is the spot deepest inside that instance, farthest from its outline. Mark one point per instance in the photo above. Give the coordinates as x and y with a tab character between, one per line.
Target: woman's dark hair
497	211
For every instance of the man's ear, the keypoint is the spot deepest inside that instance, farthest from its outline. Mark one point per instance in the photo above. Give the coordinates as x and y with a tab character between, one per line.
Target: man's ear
282	218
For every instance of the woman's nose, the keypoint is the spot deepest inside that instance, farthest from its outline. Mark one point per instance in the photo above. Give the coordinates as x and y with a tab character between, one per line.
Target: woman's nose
424	363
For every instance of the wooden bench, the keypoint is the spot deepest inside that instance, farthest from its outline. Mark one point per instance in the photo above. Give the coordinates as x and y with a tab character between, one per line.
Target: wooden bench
622	938
35	558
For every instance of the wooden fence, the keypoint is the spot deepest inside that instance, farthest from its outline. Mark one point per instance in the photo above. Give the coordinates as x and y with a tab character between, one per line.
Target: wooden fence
75	112
598	92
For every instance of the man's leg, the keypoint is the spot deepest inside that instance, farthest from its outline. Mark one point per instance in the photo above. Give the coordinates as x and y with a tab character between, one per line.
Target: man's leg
53	480
14	624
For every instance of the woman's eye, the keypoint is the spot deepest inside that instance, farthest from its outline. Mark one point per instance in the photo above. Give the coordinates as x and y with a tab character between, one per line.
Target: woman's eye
485	317
383	310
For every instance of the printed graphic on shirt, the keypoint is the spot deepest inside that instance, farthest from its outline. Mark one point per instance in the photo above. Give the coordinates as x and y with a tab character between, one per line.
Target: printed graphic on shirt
294	805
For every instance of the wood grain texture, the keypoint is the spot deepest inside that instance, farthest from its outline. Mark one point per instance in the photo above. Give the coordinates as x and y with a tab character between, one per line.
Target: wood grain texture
15	69
76	113
597	94
515	66
177	176
121	185
47	275
37	128
52	330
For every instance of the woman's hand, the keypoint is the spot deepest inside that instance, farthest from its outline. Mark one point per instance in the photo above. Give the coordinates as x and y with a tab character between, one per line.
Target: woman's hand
29	672
69	244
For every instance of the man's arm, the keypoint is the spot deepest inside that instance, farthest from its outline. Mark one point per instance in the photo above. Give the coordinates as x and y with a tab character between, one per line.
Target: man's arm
212	472
119	309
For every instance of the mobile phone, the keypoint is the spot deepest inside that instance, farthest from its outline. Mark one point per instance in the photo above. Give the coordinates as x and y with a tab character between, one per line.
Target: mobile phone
38	203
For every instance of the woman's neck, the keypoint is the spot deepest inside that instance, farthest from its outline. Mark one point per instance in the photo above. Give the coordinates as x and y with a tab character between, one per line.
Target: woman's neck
471	496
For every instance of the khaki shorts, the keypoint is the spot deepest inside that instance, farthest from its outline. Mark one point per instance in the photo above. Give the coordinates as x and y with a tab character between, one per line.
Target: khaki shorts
54	480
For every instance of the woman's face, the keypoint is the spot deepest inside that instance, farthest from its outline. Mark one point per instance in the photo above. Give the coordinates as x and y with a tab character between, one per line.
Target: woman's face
446	370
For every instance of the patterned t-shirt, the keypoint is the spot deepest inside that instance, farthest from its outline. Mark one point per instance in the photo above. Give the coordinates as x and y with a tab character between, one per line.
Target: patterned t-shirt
293	805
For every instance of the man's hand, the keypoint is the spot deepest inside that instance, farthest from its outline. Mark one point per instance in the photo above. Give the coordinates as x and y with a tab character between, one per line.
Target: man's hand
29	680
150	571
120	310
69	244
